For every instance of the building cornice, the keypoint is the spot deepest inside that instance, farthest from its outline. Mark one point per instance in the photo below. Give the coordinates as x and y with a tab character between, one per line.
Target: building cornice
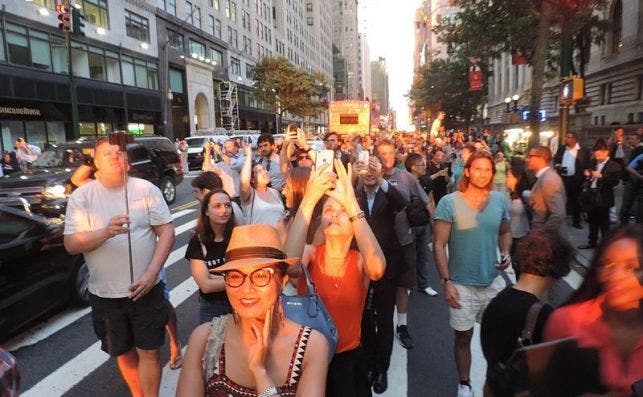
142	5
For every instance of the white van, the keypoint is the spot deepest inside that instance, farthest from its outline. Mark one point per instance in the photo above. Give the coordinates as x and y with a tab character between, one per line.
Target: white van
195	148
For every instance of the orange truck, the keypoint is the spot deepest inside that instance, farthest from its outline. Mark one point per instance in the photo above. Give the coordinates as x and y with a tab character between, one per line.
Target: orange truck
349	117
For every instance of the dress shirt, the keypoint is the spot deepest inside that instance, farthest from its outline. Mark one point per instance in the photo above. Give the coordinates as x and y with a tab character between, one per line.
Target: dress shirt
599	168
569	159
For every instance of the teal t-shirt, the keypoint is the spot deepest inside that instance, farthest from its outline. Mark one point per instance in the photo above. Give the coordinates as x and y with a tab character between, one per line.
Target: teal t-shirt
473	242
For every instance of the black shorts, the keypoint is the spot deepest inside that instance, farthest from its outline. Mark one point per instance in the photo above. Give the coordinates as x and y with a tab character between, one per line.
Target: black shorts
408	277
122	324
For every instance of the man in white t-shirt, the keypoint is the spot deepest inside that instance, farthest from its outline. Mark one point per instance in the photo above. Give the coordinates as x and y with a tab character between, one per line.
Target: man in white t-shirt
129	317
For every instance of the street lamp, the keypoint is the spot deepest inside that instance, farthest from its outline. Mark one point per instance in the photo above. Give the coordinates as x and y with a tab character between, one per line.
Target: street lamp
515	99
507	102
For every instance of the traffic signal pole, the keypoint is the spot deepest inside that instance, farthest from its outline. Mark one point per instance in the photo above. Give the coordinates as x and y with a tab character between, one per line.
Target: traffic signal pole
72	91
566	59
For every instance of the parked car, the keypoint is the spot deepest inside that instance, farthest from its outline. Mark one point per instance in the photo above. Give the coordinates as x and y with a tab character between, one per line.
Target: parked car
37	275
46	185
195	148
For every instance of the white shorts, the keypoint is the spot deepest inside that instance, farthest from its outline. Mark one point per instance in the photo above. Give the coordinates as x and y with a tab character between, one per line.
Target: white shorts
473	302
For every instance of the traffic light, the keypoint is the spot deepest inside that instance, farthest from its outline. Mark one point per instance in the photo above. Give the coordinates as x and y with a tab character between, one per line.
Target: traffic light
571	90
77	21
63	17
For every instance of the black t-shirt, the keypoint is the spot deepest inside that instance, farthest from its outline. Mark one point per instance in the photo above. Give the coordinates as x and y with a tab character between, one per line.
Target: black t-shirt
504	320
439	183
215	257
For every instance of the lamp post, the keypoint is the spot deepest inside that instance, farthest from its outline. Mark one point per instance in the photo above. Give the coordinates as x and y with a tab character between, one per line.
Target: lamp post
507	102
515	99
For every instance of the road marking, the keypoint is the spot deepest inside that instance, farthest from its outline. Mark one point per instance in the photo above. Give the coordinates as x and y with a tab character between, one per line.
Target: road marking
185	227
78	368
181	213
186	205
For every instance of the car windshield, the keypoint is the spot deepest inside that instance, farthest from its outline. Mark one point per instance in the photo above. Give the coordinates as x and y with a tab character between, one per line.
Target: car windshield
59	157
195	142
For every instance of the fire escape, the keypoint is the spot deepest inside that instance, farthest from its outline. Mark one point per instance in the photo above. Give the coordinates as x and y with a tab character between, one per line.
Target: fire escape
229	105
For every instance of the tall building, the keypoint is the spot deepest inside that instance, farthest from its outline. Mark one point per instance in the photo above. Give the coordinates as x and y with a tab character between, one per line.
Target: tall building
345	37
340	76
613	83
379	85
438	9
365	67
422	44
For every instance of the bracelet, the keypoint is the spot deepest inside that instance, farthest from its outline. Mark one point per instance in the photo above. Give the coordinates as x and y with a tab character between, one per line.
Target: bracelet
271	391
359	215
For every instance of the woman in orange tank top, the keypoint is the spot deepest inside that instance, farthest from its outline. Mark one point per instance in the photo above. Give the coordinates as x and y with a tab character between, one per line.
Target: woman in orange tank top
340	274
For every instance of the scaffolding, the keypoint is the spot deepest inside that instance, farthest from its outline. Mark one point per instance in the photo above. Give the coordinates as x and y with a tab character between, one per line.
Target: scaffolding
228	105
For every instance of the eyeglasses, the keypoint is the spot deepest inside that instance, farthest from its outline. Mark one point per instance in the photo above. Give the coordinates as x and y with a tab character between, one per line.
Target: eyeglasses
259	278
304	157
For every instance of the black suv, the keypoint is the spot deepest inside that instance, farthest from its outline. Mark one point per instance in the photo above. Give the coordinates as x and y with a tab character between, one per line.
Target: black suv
46	185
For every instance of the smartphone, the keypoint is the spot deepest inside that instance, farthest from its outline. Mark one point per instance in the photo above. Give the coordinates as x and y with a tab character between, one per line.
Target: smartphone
363	156
324	157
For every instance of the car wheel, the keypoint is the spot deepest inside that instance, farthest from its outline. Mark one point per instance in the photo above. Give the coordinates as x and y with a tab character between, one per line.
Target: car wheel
168	188
81	284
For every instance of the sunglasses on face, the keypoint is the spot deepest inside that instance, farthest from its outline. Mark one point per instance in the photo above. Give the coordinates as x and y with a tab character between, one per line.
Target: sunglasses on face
258	278
303	158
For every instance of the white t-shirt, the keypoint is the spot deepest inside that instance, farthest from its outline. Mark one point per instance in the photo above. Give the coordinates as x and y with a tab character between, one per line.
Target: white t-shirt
92	206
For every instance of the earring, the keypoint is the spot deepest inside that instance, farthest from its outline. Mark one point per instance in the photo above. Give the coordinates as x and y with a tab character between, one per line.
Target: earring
235	316
279	312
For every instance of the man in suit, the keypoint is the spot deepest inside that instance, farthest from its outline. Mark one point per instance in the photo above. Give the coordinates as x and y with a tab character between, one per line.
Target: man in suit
570	161
548	193
604	173
380	201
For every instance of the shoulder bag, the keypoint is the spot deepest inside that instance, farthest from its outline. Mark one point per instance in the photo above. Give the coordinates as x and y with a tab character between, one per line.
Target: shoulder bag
505	379
309	310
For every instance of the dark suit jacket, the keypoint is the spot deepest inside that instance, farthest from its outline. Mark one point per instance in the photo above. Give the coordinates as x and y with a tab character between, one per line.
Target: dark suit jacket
582	161
382	222
611	176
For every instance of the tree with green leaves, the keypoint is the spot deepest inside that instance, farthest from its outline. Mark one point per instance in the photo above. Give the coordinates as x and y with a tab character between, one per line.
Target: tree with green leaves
489	28
443	85
287	88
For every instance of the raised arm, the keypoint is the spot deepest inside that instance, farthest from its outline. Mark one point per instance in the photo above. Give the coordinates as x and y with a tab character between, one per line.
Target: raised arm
374	262
246	174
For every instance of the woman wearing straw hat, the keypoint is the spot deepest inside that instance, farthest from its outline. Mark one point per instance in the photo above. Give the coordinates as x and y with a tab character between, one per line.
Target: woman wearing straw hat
256	351
341	274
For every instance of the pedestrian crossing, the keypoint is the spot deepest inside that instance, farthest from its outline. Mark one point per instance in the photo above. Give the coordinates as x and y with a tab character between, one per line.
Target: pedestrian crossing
66	375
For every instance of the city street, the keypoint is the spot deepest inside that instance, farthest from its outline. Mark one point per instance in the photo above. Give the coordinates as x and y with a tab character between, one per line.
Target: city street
62	355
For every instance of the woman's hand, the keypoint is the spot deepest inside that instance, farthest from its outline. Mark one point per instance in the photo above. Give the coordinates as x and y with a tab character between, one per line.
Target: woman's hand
344	193
320	182
259	348
247	148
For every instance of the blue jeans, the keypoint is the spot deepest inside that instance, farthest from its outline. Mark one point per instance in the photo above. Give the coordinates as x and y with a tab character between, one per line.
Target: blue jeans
422	234
209	309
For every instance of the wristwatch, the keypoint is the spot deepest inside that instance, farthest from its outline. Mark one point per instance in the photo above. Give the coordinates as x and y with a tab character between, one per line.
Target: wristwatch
359	215
445	280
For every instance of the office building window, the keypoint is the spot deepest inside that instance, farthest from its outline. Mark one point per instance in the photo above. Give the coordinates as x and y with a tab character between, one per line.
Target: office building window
215	4
616	29
59	55
176	81
211	25
197	17
96	64
137	26
177	41
217	57
217	28
189	11
249	69
171	7
113	69
40	51
309	7
3	56
197	48
247	45
18	45
235	66
639	88
95	12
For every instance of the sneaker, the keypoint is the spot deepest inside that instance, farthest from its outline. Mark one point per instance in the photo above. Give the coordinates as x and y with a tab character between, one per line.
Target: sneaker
429	291
402	333
464	391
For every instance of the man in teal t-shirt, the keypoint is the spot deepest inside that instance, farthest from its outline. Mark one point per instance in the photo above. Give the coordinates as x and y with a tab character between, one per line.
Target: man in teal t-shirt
475	223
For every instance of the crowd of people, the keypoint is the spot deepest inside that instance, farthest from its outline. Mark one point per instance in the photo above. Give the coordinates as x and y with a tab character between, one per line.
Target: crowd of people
363	226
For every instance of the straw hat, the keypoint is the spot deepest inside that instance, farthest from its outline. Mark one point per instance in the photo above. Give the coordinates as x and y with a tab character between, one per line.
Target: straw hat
252	245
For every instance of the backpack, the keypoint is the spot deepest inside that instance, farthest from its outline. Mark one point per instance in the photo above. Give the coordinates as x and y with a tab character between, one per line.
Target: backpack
507	378
417	213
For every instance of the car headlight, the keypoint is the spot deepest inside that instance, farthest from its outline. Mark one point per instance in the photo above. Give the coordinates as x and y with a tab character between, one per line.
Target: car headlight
55	192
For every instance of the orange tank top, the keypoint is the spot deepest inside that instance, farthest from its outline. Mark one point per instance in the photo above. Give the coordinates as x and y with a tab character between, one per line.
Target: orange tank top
343	296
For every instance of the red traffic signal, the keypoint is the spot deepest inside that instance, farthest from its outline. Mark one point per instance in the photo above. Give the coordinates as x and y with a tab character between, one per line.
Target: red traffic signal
64	17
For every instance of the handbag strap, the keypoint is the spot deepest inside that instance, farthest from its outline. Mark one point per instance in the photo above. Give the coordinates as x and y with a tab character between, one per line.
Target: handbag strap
252	205
530	324
309	281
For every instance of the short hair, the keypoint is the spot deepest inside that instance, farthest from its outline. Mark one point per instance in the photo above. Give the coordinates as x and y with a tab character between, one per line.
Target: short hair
208	180
329	134
544	253
471	147
266	138
411	160
574	134
600	145
20	139
383	142
543	151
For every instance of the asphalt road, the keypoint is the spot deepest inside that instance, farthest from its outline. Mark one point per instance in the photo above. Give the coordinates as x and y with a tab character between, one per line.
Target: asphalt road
61	356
